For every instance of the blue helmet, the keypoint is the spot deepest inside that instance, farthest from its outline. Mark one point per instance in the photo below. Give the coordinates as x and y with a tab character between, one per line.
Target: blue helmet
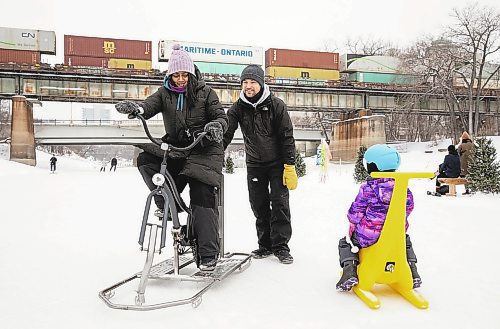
383	156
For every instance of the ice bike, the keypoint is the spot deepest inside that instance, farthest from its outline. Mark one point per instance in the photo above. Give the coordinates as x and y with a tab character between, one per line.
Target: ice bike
184	246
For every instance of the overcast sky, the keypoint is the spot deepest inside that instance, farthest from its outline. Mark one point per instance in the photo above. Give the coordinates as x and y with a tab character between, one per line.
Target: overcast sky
308	25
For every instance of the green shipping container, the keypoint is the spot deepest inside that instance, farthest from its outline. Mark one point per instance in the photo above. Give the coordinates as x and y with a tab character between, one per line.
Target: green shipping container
388	78
220	68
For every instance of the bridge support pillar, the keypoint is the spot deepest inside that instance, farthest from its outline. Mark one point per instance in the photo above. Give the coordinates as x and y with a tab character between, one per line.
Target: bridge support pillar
353	130
136	154
22	146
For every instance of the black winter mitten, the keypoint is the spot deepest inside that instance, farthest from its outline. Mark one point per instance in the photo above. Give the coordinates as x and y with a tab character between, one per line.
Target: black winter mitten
214	130
128	107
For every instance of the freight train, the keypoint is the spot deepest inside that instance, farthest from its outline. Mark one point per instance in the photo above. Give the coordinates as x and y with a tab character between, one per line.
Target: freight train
21	50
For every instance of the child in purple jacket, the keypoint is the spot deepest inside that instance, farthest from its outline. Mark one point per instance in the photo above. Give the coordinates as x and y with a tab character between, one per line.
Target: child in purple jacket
367	216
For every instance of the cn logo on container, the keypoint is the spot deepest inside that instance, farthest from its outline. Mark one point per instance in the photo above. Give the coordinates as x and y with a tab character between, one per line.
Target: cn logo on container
109	47
28	35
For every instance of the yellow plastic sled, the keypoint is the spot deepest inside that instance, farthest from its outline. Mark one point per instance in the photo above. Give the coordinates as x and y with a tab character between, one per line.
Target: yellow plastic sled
385	261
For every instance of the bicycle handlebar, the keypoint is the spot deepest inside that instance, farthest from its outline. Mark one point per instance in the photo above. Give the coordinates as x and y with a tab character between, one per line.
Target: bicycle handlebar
170	147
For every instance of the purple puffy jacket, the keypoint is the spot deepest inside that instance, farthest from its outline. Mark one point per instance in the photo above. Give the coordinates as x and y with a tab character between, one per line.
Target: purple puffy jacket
368	212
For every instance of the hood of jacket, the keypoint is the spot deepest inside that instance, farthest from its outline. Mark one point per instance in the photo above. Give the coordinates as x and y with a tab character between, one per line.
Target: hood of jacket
262	98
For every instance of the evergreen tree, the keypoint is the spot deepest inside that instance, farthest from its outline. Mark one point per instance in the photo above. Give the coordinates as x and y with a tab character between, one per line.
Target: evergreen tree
300	165
484	171
360	173
229	165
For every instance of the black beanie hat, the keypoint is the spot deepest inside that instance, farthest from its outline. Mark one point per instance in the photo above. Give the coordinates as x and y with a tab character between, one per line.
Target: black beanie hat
451	148
253	72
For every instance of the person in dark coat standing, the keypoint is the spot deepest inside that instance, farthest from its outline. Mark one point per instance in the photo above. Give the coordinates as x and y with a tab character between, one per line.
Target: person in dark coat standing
188	107
465	152
450	168
53	161
114	162
270	158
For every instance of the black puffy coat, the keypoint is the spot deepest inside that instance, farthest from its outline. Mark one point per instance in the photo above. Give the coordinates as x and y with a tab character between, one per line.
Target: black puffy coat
451	165
267	131
203	163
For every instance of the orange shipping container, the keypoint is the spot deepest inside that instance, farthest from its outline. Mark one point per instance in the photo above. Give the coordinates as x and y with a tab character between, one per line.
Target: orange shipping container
106	48
302	58
19	56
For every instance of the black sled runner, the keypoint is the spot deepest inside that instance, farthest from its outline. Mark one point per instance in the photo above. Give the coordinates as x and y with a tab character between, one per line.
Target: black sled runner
165	278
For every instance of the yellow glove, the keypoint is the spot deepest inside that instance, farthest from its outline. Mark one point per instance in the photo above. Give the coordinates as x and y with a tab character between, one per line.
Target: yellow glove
290	177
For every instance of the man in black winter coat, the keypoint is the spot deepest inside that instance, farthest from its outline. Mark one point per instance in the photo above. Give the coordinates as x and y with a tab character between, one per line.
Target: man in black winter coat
270	158
450	168
114	162
53	161
188	107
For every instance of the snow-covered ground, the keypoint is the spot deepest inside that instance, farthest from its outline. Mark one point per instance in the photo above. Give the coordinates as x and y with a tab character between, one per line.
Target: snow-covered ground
65	237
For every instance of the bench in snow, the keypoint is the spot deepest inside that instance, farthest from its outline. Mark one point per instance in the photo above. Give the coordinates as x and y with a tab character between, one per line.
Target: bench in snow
452	183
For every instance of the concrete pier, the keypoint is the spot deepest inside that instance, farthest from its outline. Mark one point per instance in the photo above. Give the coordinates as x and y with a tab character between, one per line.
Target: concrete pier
22	146
353	130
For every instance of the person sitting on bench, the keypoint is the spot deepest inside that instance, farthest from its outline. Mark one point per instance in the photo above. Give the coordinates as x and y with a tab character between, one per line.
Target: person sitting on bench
450	168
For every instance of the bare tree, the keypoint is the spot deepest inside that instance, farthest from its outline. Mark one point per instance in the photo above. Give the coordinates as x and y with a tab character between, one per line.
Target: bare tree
369	46
476	32
433	62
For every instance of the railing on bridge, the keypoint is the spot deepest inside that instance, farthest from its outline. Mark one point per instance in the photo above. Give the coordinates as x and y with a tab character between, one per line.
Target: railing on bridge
99	122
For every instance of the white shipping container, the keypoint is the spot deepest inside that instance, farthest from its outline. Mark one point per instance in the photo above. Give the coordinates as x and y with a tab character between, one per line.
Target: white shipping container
24	39
213	53
379	64
345	60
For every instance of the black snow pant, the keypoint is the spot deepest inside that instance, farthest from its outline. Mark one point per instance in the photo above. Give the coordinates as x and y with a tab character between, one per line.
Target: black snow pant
203	201
52	167
346	255
270	205
441	175
112	167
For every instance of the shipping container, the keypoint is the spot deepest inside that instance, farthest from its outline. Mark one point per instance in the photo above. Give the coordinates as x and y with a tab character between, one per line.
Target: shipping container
131	64
301	73
379	64
28	40
79	61
106	48
213	53
302	58
389	78
220	68
346	60
19	56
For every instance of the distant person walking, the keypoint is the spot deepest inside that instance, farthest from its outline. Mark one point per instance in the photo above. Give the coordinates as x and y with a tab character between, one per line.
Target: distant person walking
103	166
114	162
53	161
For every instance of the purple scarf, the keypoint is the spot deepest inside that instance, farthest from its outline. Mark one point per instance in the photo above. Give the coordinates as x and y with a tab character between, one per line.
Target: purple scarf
179	90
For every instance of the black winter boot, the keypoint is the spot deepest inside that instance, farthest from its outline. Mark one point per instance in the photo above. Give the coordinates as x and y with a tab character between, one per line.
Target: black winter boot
412	261
417	281
349	276
284	256
261	253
